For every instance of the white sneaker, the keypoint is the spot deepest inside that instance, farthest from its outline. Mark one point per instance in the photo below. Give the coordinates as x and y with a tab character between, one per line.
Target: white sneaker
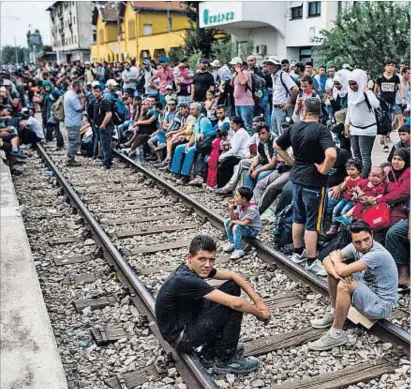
228	247
323	322
237	254
317	268
297	258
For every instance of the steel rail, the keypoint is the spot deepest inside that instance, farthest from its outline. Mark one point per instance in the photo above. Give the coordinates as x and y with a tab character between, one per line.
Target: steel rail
189	367
383	328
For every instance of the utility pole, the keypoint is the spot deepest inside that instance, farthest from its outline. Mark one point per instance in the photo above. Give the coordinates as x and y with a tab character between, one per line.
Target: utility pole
118	32
16	51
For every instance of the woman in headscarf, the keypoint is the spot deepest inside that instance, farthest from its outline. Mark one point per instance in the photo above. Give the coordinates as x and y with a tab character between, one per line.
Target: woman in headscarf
360	123
338	96
397	195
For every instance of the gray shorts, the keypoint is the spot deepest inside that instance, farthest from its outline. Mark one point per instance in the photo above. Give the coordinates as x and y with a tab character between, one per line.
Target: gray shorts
367	302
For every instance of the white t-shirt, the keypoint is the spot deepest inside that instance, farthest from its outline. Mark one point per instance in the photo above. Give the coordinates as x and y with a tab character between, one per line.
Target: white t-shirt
36	127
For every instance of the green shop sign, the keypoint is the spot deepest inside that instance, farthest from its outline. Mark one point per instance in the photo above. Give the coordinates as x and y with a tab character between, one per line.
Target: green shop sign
218	18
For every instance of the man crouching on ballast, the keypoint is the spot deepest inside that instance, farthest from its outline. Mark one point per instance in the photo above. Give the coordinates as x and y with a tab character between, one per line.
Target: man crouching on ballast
191	313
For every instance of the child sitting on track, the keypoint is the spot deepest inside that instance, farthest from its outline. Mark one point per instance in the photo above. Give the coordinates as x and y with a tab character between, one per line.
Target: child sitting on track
216	148
243	222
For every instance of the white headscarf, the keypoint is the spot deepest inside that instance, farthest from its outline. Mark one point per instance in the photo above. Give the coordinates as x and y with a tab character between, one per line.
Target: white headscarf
342	78
360	77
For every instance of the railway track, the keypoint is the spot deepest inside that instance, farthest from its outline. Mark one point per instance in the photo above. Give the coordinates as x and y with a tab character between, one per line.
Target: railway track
142	224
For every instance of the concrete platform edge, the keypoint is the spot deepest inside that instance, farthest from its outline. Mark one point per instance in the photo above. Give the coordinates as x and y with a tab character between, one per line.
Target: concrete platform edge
29	354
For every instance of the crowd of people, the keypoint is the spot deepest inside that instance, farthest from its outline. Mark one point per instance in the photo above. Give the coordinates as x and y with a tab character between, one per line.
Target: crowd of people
281	138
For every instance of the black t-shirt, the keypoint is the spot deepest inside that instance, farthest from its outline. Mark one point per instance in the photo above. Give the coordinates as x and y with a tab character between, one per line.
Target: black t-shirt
388	87
202	82
338	172
309	140
180	300
101	107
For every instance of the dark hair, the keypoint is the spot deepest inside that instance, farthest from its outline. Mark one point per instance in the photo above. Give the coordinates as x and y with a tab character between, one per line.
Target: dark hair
309	64
358	226
245	192
221	106
313	106
285	61
263	126
172	101
300	66
76	83
182	105
307	79
202	242
354	162
158	105
237	120
322	67
388	61
404	128
404	70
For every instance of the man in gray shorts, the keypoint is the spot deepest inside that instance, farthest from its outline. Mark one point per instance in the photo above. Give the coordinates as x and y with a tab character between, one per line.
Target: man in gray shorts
369	284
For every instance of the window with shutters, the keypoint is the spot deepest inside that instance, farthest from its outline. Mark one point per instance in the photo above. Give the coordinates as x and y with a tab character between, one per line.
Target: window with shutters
131	29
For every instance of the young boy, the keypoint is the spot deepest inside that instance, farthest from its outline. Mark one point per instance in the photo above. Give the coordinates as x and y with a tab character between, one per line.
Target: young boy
404	134
243	222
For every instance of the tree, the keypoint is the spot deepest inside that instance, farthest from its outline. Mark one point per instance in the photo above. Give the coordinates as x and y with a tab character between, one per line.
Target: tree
225	49
365	35
198	39
8	54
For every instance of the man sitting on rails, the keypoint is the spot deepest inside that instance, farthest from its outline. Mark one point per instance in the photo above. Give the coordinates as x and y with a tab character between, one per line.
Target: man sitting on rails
369	284
191	313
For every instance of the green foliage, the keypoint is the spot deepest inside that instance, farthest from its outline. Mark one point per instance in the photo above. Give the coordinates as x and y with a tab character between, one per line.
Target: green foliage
365	35
194	57
8	54
176	54
225	49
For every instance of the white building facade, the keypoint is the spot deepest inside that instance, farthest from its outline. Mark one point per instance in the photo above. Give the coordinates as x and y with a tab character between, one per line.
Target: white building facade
282	28
71	30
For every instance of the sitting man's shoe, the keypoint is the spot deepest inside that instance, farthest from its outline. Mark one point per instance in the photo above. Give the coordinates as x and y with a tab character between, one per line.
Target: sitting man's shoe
237	254
72	162
222	192
183	181
237	366
327	342
197	181
207	359
317	268
228	247
299	258
324	322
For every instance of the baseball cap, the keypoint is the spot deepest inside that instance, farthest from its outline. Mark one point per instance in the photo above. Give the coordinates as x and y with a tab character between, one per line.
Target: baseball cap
346	66
258	119
3	89
146	62
7	82
169	87
163	59
87	63
236	61
95	84
216	63
272	60
111	82
287	122
204	60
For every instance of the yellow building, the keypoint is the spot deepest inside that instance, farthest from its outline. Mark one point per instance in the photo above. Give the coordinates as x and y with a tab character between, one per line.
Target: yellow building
138	30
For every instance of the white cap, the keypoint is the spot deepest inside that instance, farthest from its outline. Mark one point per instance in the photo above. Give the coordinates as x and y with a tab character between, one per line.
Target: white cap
95	83
272	60
346	66
111	82
216	63
236	61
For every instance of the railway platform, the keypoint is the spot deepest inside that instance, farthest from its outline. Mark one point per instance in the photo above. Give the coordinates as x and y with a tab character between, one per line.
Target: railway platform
29	354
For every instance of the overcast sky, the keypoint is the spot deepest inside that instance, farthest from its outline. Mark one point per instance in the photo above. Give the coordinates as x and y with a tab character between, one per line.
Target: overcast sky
16	18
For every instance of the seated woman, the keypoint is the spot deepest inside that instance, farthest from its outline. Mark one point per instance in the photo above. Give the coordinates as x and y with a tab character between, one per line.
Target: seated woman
238	150
397	194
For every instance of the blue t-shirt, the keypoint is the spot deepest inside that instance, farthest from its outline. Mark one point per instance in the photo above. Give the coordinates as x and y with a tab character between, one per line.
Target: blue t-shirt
72	109
203	126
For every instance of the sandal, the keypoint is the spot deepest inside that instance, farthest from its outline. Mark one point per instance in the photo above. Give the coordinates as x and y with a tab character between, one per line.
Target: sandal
403	289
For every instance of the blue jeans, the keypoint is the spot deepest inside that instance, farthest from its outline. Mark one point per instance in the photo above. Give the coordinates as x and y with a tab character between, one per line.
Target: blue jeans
177	164
361	149
236	233
163	100
250	182
106	136
342	207
246	112
59	136
96	140
74	141
397	243
277	118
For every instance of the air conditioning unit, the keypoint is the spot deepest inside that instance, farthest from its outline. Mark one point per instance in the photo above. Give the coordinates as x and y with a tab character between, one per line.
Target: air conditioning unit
261	49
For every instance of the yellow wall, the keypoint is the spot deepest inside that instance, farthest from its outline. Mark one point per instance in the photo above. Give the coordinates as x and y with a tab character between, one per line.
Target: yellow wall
159	40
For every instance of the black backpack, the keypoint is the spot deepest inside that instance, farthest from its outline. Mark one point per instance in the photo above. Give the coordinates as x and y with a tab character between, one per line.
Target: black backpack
283	226
382	115
258	86
338	242
141	82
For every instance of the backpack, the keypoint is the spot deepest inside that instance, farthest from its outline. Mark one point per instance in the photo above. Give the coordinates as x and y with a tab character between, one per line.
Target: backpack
57	109
382	115
141	82
118	109
338	242
283	226
258	86
285	87
324	114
